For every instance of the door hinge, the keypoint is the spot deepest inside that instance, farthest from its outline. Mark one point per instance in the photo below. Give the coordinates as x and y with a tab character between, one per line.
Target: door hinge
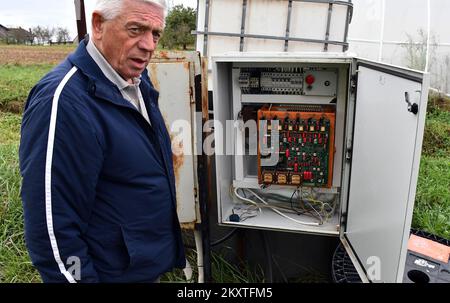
353	83
343	220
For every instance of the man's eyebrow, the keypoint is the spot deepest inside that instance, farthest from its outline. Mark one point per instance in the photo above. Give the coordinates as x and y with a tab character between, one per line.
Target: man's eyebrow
137	23
144	26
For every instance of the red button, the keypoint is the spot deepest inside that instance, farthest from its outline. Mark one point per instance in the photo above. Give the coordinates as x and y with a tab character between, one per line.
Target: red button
310	79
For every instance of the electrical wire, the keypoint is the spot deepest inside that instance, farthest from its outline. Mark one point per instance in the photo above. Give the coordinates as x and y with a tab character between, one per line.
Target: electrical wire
276	205
322	209
224	238
246	199
216	242
277	211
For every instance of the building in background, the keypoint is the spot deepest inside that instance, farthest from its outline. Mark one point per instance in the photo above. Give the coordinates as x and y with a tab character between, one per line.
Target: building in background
15	35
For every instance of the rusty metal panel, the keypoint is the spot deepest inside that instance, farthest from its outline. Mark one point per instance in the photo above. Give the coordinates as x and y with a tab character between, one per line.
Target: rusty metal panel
173	75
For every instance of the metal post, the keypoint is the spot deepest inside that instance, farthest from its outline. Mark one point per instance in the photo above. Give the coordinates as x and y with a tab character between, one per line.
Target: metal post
427	62
81	19
347	24
327	34
203	169
383	13
205	37
288	26
244	15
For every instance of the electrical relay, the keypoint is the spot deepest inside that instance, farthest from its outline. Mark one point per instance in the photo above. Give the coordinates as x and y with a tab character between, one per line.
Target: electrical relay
305	147
288	81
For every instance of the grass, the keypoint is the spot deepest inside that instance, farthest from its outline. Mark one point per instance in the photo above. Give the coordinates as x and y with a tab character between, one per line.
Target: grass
16	82
10	128
432	208
437	137
431	213
15	265
222	271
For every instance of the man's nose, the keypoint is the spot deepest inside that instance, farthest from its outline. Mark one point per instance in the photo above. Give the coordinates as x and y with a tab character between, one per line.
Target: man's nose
147	43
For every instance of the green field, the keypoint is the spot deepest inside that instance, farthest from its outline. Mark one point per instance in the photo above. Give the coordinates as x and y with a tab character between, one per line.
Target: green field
15	83
431	213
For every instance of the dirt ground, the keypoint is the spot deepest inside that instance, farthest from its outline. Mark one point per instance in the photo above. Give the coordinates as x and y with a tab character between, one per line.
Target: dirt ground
25	55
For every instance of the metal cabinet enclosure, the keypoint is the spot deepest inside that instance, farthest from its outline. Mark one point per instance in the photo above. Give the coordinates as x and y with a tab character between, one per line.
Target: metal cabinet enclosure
380	115
377	147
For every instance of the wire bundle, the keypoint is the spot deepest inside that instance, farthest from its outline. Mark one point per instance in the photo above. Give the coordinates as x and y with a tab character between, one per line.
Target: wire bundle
299	203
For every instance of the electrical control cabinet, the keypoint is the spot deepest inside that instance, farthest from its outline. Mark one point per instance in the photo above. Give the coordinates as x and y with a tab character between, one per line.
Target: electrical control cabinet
320	144
324	144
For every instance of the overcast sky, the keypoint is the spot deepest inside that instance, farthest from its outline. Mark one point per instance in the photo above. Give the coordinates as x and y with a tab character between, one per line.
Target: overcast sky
30	13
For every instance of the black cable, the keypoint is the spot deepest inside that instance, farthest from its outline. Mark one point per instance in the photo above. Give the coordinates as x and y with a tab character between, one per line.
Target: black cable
217	242
226	237
290	200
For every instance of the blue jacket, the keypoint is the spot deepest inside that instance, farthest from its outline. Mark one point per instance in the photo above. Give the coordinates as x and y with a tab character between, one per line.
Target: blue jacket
98	184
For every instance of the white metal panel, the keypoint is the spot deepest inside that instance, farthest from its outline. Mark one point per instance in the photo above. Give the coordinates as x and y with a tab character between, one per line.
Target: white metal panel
386	152
269	17
266	17
337	26
222	112
173	81
309	20
225	16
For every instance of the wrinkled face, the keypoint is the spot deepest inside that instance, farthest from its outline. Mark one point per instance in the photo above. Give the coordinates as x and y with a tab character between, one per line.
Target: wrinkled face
129	40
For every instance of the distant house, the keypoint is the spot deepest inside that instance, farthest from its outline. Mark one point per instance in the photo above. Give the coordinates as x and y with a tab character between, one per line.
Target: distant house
3	32
16	35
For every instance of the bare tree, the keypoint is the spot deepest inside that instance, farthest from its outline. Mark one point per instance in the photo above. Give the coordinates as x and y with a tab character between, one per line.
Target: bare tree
37	33
43	34
62	35
48	33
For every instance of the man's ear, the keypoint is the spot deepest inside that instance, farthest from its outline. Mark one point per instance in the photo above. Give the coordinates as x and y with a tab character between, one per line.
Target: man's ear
97	25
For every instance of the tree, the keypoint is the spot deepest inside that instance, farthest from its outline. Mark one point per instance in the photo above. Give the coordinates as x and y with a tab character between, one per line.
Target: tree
37	33
180	22
48	33
62	35
43	34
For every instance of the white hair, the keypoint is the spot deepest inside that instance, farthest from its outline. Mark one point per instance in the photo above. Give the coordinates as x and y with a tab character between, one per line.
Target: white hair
112	8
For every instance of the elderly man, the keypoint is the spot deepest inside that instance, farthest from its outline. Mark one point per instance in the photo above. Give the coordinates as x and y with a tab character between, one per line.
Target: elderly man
98	184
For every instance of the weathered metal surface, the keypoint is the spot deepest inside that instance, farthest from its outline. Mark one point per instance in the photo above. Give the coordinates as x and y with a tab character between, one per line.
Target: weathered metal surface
173	75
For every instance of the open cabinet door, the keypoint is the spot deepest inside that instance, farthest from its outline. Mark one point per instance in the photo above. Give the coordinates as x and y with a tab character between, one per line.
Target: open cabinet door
385	158
178	78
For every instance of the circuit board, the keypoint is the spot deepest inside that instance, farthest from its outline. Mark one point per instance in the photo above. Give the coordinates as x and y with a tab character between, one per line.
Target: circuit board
305	146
